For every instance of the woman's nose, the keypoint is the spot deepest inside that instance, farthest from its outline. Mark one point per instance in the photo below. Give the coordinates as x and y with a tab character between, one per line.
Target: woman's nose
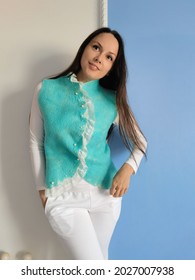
98	59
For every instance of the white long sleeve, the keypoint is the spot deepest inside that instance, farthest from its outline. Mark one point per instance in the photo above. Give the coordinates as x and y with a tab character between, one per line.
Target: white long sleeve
36	142
136	156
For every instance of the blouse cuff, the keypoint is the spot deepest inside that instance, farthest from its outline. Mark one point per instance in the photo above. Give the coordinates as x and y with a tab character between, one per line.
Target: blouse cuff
133	164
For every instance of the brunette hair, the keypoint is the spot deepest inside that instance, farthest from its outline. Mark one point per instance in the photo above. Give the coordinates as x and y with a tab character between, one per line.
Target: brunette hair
116	80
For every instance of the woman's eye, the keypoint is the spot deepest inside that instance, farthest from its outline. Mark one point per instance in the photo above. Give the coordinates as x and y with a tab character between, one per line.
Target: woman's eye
96	47
109	57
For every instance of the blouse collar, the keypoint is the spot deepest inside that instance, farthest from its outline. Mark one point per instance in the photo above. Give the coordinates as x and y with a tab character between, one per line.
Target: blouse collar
73	79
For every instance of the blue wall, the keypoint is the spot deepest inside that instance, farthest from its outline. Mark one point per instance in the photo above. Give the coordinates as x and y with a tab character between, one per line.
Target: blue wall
158	214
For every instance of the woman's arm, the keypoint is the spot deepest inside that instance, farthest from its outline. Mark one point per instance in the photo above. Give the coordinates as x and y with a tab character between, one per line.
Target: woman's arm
36	145
122	178
136	156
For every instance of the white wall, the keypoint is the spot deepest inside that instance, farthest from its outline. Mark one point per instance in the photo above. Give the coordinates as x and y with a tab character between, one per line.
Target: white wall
38	38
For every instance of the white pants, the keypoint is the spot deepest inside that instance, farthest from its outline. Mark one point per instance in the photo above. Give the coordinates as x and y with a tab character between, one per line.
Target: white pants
84	218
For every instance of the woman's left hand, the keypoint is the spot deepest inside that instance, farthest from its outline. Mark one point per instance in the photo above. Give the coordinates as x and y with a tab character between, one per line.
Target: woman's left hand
121	180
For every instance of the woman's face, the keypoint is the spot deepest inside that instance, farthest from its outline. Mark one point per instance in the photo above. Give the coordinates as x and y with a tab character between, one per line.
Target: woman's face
98	57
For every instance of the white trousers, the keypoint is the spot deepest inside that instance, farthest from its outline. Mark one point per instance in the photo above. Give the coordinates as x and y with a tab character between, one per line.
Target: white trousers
84	218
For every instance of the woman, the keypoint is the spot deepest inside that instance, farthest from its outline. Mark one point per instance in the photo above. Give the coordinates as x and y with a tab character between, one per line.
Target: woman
71	119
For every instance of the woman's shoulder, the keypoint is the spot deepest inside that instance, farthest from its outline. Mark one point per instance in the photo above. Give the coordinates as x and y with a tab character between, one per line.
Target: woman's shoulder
38	88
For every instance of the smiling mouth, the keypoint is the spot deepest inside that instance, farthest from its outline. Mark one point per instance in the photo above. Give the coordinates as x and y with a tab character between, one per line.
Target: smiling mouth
93	66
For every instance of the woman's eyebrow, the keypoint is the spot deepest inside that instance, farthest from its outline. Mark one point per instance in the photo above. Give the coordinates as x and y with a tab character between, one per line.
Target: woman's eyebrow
102	46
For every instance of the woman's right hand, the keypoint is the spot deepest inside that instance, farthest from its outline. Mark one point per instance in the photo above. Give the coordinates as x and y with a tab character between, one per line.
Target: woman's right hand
43	197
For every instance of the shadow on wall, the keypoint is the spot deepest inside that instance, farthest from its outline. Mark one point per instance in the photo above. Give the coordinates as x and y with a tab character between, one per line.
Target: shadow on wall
32	227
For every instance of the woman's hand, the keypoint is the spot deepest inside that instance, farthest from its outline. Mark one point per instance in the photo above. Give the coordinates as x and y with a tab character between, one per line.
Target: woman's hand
43	197
121	180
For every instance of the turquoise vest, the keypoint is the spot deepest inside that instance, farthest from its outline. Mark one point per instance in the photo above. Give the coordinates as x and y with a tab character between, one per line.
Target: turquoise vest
77	117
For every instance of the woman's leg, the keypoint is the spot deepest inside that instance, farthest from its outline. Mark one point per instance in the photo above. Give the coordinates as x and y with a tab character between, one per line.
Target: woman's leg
74	226
104	216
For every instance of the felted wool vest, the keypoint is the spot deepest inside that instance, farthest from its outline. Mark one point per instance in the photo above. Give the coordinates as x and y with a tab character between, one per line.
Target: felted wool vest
77	117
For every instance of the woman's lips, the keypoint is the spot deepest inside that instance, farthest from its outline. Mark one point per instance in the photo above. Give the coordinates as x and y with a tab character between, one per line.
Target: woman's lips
93	66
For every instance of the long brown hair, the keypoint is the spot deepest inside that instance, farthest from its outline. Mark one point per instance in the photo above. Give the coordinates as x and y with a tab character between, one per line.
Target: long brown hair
116	80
